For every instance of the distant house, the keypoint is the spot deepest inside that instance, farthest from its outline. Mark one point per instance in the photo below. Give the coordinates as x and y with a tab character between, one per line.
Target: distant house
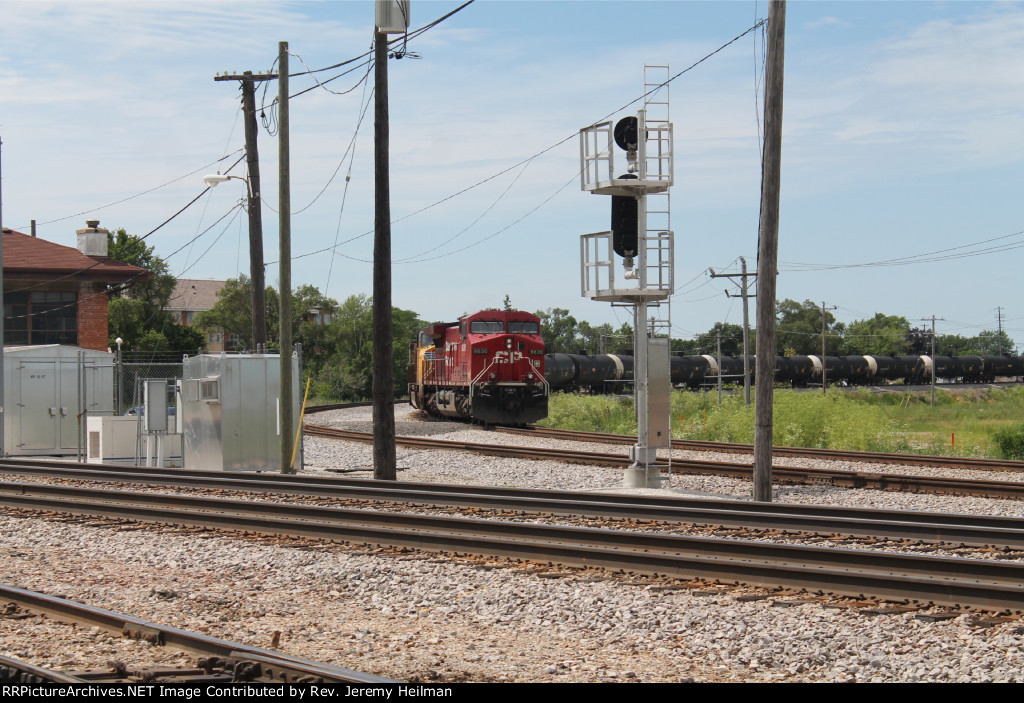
54	294
320	317
192	296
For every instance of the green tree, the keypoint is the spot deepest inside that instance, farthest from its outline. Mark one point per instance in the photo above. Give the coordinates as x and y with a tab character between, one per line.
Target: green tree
337	355
992	342
138	316
232	313
880	335
731	336
558	329
799	328
344	370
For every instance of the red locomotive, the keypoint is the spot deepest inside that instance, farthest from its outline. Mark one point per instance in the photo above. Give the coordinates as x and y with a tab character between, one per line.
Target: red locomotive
488	366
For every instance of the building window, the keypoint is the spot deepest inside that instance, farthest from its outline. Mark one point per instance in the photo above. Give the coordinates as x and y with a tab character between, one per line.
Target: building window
41	317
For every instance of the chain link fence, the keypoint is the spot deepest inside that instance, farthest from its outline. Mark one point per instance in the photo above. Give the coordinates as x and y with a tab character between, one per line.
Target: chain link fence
131	369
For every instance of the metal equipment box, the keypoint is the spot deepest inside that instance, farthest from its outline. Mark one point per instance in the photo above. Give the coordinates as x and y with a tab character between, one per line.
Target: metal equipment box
230	411
49	391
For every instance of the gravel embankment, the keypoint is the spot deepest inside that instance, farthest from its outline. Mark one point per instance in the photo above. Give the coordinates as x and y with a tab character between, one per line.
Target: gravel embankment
419	617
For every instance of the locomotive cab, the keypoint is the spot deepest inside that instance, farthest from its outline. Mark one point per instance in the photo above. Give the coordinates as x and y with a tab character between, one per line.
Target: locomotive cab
488	366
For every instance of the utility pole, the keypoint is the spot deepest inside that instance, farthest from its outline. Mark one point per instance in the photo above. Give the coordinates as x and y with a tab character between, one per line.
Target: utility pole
768	248
824	372
746	320
718	335
933	319
285	259
999	322
384	460
255	210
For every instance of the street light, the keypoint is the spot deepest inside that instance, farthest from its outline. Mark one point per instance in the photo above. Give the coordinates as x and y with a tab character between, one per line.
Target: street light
259	305
213	180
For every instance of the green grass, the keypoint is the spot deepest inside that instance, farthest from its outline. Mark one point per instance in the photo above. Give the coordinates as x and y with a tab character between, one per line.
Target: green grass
984	423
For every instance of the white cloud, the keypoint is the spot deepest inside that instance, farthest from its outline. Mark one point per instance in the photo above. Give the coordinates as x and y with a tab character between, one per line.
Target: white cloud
825	22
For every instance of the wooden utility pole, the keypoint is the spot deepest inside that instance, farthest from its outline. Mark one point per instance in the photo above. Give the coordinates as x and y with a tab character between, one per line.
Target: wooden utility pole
746	321
999	322
384	461
767	250
718	337
285	262
824	371
933	319
255	210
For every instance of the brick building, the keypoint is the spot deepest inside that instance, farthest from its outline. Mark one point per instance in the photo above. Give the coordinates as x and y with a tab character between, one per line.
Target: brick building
55	294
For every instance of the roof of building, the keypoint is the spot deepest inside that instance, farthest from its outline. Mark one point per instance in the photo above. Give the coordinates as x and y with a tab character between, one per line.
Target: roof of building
26	256
194	294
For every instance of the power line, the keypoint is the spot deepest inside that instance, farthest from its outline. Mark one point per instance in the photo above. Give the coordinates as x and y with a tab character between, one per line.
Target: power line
542	151
137	195
470	225
349	149
142	238
366	55
927	257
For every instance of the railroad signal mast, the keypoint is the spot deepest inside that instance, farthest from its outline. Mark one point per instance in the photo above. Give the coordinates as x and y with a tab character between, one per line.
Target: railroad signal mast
641	236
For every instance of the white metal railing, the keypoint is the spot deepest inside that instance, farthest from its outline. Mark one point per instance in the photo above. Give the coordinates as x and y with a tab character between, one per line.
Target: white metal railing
598	262
596	154
597	160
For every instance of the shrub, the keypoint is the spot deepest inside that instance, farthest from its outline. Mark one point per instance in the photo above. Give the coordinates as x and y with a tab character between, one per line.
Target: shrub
1010	442
836	420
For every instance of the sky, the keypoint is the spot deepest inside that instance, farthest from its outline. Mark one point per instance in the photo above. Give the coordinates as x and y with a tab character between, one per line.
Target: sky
903	135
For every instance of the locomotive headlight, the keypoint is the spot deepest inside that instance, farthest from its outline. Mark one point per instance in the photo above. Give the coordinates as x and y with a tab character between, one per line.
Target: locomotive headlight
493	376
508	342
529	376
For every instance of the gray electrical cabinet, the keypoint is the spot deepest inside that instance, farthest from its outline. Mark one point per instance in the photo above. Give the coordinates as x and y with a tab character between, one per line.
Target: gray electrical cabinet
230	411
49	391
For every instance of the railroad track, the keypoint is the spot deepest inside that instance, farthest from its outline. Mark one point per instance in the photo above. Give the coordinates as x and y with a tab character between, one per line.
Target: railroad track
221	661
956	529
981	464
977	463
987	584
780	474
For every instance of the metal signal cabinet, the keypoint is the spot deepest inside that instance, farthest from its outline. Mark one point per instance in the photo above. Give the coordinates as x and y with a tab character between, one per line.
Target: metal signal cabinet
231	412
49	390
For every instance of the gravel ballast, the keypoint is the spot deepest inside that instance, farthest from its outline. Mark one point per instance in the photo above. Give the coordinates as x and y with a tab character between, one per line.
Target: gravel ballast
423	617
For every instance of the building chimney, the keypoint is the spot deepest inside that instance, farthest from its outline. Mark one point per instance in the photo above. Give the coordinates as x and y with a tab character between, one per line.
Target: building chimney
92	241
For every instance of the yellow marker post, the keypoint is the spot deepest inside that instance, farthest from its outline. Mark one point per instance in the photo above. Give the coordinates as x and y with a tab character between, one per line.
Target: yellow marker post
302	414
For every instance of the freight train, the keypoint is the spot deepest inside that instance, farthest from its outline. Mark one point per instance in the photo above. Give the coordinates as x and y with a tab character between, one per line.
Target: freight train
607	372
487	367
490	367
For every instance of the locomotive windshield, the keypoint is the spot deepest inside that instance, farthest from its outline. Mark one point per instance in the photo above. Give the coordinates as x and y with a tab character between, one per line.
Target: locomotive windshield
486	327
522	327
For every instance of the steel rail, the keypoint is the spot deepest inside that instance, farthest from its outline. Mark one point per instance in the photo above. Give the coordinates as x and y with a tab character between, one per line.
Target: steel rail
781	474
286	668
974	463
986	584
18	672
974	530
